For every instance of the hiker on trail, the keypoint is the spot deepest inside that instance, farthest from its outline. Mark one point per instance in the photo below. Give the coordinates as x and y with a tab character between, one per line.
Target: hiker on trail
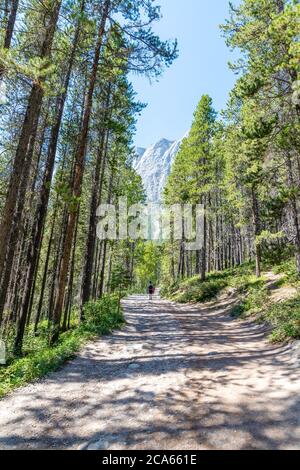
150	290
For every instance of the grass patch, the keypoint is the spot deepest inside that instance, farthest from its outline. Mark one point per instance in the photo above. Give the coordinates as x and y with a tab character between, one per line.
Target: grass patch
193	290
288	269
285	319
102	317
254	296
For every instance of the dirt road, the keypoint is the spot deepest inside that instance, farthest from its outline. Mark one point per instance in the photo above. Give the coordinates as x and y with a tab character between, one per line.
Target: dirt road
176	377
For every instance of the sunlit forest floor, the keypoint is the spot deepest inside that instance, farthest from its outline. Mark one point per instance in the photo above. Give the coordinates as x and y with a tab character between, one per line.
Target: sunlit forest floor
274	298
176	377
39	358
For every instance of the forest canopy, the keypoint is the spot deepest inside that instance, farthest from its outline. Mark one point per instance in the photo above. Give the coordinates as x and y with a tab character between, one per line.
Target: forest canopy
244	165
68	114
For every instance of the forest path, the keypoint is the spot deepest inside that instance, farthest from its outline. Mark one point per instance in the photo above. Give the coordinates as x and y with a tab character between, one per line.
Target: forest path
176	377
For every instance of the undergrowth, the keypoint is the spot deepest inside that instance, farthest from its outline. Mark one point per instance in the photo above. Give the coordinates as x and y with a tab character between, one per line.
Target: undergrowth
39	359
253	296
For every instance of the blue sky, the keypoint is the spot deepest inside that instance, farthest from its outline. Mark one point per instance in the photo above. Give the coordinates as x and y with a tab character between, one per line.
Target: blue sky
202	67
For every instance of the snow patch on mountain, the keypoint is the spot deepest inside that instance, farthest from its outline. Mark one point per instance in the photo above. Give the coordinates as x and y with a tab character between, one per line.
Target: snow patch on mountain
140	151
154	166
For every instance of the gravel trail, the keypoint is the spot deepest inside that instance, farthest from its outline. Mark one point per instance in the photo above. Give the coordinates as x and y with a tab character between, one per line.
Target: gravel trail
176	377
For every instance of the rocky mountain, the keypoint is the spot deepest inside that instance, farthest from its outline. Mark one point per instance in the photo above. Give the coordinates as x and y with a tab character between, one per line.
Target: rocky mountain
154	165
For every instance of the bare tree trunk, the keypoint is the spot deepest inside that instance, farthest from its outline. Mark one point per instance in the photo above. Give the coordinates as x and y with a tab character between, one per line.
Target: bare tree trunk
91	239
97	281
68	306
26	140
294	212
132	252
102	272
78	176
109	270
256	224
44	280
20	223
10	25
41	211
203	249
104	249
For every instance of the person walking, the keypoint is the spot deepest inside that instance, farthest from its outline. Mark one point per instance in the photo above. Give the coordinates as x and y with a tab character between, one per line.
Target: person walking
150	290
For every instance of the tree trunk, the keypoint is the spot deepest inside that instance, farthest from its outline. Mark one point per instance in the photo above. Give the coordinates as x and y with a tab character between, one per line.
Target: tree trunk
256	224
41	211
10	24
203	256
28	132
11	20
98	273
91	239
44	280
294	212
19	224
104	250
78	176
68	306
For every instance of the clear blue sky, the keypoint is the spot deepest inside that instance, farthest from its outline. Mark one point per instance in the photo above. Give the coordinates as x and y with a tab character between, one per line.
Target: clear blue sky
202	67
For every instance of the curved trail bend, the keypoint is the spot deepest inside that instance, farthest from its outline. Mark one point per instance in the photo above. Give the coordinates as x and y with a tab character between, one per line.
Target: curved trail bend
176	377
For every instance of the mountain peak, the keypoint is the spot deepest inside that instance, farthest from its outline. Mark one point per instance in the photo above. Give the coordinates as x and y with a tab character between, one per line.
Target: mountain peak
163	144
164	141
154	166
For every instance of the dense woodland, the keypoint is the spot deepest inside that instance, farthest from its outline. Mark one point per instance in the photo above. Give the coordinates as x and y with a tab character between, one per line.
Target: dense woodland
68	114
244	165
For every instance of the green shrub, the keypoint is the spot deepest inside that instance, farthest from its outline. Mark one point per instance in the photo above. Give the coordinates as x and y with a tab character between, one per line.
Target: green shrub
38	364
254	296
254	300
168	290
288	268
285	319
102	317
194	290
198	291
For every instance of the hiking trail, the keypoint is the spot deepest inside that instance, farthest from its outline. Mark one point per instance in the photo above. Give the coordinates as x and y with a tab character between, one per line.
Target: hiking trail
176	377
